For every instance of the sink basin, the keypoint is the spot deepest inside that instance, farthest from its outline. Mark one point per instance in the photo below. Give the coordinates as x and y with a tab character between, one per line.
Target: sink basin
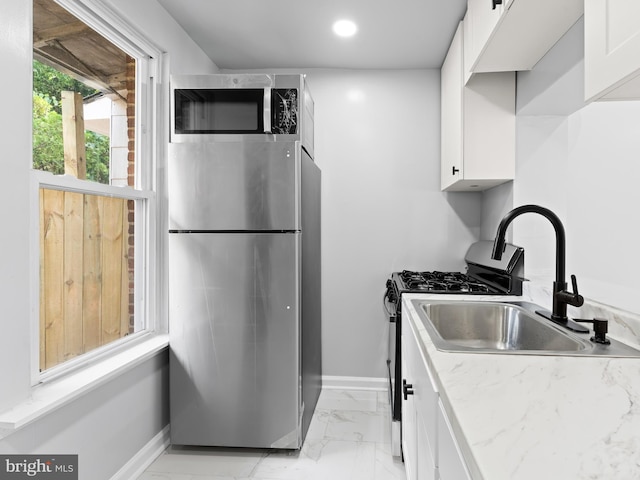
505	327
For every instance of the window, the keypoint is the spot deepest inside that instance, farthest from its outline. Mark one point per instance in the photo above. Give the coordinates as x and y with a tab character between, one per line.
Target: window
93	178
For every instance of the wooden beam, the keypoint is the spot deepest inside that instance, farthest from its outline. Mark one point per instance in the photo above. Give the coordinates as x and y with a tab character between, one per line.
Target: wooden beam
117	79
75	162
69	66
59	32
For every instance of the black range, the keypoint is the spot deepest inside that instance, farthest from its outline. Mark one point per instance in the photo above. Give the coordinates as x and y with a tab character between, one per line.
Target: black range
484	276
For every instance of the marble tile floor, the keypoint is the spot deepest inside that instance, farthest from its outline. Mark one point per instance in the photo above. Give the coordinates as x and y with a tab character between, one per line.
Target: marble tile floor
349	439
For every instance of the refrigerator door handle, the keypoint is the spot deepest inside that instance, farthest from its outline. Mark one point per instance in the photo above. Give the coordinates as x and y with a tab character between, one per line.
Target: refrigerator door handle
267	110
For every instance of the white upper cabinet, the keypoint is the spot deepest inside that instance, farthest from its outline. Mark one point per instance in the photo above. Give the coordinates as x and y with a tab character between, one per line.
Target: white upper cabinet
515	34
612	49
480	21
477	124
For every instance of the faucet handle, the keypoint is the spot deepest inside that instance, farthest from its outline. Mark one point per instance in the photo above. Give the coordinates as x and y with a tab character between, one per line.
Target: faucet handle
574	284
578	299
572	298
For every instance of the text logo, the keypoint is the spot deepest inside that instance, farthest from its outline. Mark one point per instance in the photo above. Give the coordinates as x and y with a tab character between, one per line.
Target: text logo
50	467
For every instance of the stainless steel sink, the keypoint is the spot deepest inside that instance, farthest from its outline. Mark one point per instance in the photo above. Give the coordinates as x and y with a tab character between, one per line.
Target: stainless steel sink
501	327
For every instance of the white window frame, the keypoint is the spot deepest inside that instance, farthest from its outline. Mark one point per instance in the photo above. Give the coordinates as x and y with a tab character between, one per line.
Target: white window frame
148	147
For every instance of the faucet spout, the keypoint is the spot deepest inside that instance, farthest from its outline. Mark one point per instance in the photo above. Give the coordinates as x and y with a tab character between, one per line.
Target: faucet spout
561	297
499	242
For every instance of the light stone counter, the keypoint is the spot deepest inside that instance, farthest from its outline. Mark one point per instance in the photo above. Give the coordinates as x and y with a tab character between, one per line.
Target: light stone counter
521	417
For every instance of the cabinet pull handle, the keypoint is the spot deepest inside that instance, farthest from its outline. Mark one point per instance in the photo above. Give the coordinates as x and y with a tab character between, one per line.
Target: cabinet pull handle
454	170
407	389
496	2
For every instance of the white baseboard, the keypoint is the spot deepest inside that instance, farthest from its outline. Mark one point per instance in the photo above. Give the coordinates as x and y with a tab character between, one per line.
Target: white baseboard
145	457
330	382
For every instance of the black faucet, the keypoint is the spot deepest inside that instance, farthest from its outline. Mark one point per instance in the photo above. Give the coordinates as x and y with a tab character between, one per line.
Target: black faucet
561	297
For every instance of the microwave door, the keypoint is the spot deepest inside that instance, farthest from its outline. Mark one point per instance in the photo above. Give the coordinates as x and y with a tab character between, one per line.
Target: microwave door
214	111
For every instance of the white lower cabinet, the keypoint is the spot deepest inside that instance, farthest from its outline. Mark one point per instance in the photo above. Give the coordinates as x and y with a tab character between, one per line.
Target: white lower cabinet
409	435
419	410
450	462
426	462
429	447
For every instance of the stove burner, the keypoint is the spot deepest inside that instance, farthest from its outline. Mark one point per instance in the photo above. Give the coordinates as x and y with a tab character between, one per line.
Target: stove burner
439	282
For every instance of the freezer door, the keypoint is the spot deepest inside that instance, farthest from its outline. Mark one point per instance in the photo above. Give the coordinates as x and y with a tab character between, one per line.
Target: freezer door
234	340
229	186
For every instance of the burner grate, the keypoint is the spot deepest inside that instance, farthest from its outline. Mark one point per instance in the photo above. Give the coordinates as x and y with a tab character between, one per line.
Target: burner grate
441	282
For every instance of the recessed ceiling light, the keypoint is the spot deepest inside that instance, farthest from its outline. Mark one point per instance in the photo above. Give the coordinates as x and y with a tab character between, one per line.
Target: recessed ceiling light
345	28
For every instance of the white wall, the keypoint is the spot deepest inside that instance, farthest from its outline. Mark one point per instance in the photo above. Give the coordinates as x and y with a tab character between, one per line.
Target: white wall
107	426
582	163
378	145
603	171
150	18
495	205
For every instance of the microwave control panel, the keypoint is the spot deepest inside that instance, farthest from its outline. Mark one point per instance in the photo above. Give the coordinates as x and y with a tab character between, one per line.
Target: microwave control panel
284	110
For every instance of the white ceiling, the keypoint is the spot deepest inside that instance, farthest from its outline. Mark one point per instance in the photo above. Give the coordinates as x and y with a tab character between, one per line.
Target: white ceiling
246	34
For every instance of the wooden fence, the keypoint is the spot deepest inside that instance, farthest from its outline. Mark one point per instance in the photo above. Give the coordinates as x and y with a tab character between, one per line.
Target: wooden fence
84	275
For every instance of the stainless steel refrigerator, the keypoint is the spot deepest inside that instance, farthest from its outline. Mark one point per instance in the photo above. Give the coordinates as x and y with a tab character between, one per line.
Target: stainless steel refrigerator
244	293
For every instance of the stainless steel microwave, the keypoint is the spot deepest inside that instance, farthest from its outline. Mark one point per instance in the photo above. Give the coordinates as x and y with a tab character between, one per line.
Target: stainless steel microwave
241	107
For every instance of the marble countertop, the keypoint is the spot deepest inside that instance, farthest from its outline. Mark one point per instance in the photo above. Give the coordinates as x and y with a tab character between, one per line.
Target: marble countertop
521	417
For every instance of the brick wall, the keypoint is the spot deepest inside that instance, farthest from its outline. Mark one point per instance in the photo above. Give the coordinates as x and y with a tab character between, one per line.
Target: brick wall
131	133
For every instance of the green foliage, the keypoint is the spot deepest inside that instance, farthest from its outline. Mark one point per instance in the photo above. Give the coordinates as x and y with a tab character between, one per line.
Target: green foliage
48	150
97	157
49	82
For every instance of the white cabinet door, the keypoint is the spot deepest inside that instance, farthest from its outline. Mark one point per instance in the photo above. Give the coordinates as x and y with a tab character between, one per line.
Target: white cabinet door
450	462
480	21
410	439
409	432
515	35
427	469
477	125
612	49
430	448
451	112
421	429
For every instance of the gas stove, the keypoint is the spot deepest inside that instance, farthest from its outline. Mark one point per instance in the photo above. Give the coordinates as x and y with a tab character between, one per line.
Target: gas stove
484	276
440	282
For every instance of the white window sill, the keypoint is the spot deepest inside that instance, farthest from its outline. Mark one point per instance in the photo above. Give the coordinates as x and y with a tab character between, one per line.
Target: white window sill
49	396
